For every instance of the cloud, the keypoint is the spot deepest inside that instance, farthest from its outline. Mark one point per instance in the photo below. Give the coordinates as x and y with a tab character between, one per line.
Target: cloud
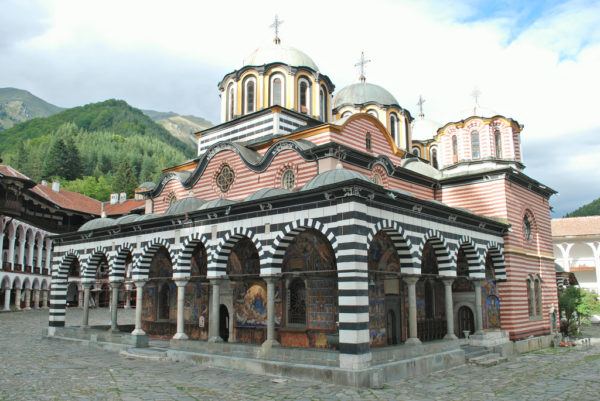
536	62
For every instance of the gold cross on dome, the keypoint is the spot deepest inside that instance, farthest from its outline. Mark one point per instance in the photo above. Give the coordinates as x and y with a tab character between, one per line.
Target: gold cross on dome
420	104
361	64
475	94
275	25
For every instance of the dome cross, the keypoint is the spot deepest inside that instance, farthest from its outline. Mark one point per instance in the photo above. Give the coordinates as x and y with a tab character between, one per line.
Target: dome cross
361	64
275	25
420	104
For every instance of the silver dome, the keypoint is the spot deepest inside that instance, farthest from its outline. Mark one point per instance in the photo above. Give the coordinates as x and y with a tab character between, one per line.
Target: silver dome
364	92
96	224
274	53
331	177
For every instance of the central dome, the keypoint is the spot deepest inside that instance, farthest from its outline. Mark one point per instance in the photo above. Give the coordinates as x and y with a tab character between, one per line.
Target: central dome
363	92
274	53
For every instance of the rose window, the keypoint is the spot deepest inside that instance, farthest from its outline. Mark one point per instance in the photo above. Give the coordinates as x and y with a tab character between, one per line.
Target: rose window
225	178
288	179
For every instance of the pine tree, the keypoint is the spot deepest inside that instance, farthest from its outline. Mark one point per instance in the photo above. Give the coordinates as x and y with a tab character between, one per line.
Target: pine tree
20	158
125	179
72	160
55	165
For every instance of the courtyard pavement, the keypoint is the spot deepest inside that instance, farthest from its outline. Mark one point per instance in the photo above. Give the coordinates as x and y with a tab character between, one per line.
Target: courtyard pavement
33	368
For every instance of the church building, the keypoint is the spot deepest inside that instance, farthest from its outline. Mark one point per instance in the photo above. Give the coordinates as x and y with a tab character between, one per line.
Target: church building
331	225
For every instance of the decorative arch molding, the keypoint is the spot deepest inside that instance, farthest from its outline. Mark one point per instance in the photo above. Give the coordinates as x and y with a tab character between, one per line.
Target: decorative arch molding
408	261
61	269
287	235
141	265
116	262
90	266
497	254
217	265
474	260
35	285
183	267
442	252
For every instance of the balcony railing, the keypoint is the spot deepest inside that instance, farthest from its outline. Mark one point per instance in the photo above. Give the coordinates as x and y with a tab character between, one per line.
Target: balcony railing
36	270
28	269
6	266
18	267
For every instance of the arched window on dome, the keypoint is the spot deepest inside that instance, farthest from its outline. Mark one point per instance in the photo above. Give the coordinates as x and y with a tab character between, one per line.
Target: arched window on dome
230	102
498	143
323	103
304	96
249	95
394	127
475	154
434	157
416	152
277	90
454	149
373	113
368	144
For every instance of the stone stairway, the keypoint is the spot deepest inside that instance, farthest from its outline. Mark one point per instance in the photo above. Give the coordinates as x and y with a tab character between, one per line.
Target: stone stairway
481	356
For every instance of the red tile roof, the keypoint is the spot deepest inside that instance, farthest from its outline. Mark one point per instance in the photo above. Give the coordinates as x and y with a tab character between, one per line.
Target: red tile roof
573	226
8	171
69	200
126	207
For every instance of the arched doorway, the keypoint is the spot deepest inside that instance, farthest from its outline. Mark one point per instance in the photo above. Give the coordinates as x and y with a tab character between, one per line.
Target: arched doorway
431	313
385	291
466	321
159	300
224	322
308	315
490	296
72	294
197	293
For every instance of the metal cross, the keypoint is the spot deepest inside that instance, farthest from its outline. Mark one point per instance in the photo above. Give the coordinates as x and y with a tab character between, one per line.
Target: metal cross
361	63
420	104
275	25
475	94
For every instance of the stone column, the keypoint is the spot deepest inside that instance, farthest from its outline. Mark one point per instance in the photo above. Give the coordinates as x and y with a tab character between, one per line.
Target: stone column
40	253
97	296
86	305
11	252
17	298
180	335
27	299
21	260
114	302
48	255
478	311
213	324
36	299
449	309
30	251
413	338
139	285
80	298
127	294
271	341
45	299
1	249
7	299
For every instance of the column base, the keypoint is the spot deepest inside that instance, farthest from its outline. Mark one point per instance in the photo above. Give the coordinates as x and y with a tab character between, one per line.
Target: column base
180	336
216	339
450	336
114	330
28	308
270	344
412	341
138	332
84	327
126	306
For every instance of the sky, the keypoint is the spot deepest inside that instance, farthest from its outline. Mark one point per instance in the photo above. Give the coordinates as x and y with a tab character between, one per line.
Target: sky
537	62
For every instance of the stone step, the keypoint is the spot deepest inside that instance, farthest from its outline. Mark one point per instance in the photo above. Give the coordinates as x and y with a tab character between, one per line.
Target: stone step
150	354
488	360
474	351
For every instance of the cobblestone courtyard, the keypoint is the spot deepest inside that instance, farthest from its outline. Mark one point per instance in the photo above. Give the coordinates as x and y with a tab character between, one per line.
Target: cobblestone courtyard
32	368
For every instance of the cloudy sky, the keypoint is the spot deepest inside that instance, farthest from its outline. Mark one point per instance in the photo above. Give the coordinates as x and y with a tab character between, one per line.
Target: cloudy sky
535	61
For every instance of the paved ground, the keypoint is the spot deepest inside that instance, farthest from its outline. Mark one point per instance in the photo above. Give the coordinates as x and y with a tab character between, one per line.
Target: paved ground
32	368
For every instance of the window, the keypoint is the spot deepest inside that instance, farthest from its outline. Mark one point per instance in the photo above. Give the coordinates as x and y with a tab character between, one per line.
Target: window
297	302
368	141
537	290
530	302
171	198
475	154
416	152
230	102
249	95
303	96
498	143
454	149
376	178
429	300
225	178
373	113
277	91
490	273
434	159
527	228
394	127
323	105
288	179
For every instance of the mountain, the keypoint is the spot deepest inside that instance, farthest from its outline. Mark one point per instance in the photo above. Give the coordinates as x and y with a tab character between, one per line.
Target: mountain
17	105
590	209
181	127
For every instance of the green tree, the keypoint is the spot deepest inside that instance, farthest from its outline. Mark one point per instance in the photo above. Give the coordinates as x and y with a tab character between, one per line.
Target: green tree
72	160
19	160
97	188
55	165
125	179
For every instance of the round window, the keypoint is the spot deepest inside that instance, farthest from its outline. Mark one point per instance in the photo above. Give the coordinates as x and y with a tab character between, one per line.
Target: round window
225	178
288	179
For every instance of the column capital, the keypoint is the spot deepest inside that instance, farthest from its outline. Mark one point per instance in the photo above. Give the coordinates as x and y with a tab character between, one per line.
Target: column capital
448	280
115	284
140	283
181	282
411	280
271	278
215	280
477	281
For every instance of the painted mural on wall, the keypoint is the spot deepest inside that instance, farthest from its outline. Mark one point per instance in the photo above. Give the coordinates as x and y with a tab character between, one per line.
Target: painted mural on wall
243	259
490	297
250	304
310	251
159	304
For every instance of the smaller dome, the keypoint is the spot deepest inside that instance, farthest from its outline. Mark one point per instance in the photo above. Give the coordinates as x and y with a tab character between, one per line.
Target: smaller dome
424	129
267	193
97	224
362	93
146	217
216	203
147	186
331	177
415	164
274	53
128	218
184	205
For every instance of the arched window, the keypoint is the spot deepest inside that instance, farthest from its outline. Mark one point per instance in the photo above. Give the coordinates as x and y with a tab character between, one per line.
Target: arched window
394	127
373	113
527	228
498	143
304	96
230	102
454	149
277	91
368	141
297	302
537	290
249	95
475	154
346	114
416	152
429	300
163	301
530	300
434	158
490	272
323	105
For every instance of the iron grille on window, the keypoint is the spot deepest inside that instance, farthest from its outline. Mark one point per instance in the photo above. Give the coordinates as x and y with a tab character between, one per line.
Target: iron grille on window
297	304
225	178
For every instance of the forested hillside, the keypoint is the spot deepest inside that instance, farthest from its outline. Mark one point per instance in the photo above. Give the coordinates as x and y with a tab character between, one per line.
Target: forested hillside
93	149
17	105
590	209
